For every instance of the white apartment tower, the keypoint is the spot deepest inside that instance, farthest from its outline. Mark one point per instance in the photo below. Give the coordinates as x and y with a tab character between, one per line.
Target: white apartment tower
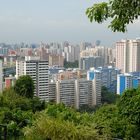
127	55
65	92
76	93
1	76
38	70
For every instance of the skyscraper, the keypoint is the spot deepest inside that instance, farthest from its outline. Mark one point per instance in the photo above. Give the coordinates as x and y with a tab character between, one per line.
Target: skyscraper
127	55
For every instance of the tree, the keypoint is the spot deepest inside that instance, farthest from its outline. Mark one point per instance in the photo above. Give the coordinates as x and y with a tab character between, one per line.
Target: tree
108	97
122	13
129	106
59	122
24	86
74	64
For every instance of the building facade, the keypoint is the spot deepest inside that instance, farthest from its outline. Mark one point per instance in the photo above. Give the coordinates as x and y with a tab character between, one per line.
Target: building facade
56	60
85	63
127	81
127	55
10	81
77	93
38	70
107	75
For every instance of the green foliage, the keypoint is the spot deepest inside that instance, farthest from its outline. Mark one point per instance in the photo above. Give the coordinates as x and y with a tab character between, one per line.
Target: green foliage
17	111
71	64
108	122
24	86
59	122
12	100
108	97
129	106
37	105
87	108
53	129
30	119
122	13
111	124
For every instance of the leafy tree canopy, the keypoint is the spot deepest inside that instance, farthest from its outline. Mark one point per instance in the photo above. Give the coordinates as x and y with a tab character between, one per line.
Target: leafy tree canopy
24	86
122	12
108	97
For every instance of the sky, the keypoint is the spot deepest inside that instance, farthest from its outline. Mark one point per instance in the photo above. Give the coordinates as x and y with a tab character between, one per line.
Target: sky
35	21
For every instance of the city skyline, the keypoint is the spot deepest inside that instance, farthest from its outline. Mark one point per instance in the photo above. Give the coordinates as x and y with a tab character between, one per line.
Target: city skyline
51	21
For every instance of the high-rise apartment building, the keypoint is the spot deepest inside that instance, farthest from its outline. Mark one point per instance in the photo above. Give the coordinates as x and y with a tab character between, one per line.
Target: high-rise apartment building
77	93
87	62
65	91
52	92
38	70
107	75
127	81
106	53
56	60
127	55
1	76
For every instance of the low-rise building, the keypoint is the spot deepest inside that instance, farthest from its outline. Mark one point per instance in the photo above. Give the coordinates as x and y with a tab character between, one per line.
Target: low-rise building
10	81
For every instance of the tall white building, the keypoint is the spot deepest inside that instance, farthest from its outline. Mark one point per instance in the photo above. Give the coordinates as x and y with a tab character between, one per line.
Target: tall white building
1	76
38	70
87	93
65	92
52	92
127	55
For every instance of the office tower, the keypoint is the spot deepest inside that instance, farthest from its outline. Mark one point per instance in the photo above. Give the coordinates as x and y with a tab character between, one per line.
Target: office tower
127	55
127	81
87	62
107	75
1	76
38	70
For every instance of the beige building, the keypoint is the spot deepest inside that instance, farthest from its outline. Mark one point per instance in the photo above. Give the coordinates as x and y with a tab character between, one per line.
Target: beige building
128	55
56	60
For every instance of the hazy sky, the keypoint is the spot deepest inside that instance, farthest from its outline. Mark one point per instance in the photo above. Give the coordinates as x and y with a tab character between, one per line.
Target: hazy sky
33	21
